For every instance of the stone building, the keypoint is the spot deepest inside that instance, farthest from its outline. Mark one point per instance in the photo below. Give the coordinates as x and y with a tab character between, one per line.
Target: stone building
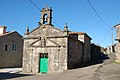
96	53
117	47
11	48
85	41
110	49
48	49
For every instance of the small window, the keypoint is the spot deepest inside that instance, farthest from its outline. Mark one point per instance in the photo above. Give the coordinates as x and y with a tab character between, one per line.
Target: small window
6	47
41	55
46	55
14	47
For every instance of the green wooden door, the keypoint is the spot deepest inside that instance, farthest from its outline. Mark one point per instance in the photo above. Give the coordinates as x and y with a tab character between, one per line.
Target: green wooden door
43	63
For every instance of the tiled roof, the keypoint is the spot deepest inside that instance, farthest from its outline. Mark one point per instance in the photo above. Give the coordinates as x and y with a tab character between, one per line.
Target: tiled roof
78	33
7	33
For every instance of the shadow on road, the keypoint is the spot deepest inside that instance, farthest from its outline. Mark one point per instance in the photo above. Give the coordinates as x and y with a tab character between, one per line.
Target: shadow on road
97	60
4	76
100	59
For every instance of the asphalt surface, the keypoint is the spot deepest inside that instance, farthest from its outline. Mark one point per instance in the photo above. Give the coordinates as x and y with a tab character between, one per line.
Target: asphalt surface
108	70
85	73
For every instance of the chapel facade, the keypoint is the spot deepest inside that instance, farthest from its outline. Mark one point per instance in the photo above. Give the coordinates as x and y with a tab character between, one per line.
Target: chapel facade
48	49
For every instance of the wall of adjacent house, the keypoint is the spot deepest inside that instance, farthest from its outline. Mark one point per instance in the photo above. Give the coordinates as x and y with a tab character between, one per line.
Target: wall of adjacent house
87	47
81	38
117	51
118	32
11	49
96	53
109	49
117	46
75	52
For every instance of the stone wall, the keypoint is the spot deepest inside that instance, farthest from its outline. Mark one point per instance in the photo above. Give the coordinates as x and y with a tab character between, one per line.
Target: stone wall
87	47
117	53
45	39
75	52
95	52
117	47
9	57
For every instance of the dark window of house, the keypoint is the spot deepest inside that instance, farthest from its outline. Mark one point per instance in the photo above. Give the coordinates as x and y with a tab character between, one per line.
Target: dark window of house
14	47
6	47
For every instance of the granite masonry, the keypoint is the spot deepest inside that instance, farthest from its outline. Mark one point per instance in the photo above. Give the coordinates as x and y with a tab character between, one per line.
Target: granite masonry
48	49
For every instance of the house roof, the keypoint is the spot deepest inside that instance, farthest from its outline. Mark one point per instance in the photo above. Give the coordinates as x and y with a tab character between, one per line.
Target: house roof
80	33
7	33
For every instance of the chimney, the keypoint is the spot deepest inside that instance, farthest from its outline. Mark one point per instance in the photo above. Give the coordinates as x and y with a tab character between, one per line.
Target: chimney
3	29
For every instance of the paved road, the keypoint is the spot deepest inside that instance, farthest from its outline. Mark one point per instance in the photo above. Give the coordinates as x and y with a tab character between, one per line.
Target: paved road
109	70
86	73
104	71
10	70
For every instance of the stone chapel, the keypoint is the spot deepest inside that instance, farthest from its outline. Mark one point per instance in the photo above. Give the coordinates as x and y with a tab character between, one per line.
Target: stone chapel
48	49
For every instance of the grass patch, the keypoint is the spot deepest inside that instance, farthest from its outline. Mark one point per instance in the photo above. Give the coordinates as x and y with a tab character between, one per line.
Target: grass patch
117	61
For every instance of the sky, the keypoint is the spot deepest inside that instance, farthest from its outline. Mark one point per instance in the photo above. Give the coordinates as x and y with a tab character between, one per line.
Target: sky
78	14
